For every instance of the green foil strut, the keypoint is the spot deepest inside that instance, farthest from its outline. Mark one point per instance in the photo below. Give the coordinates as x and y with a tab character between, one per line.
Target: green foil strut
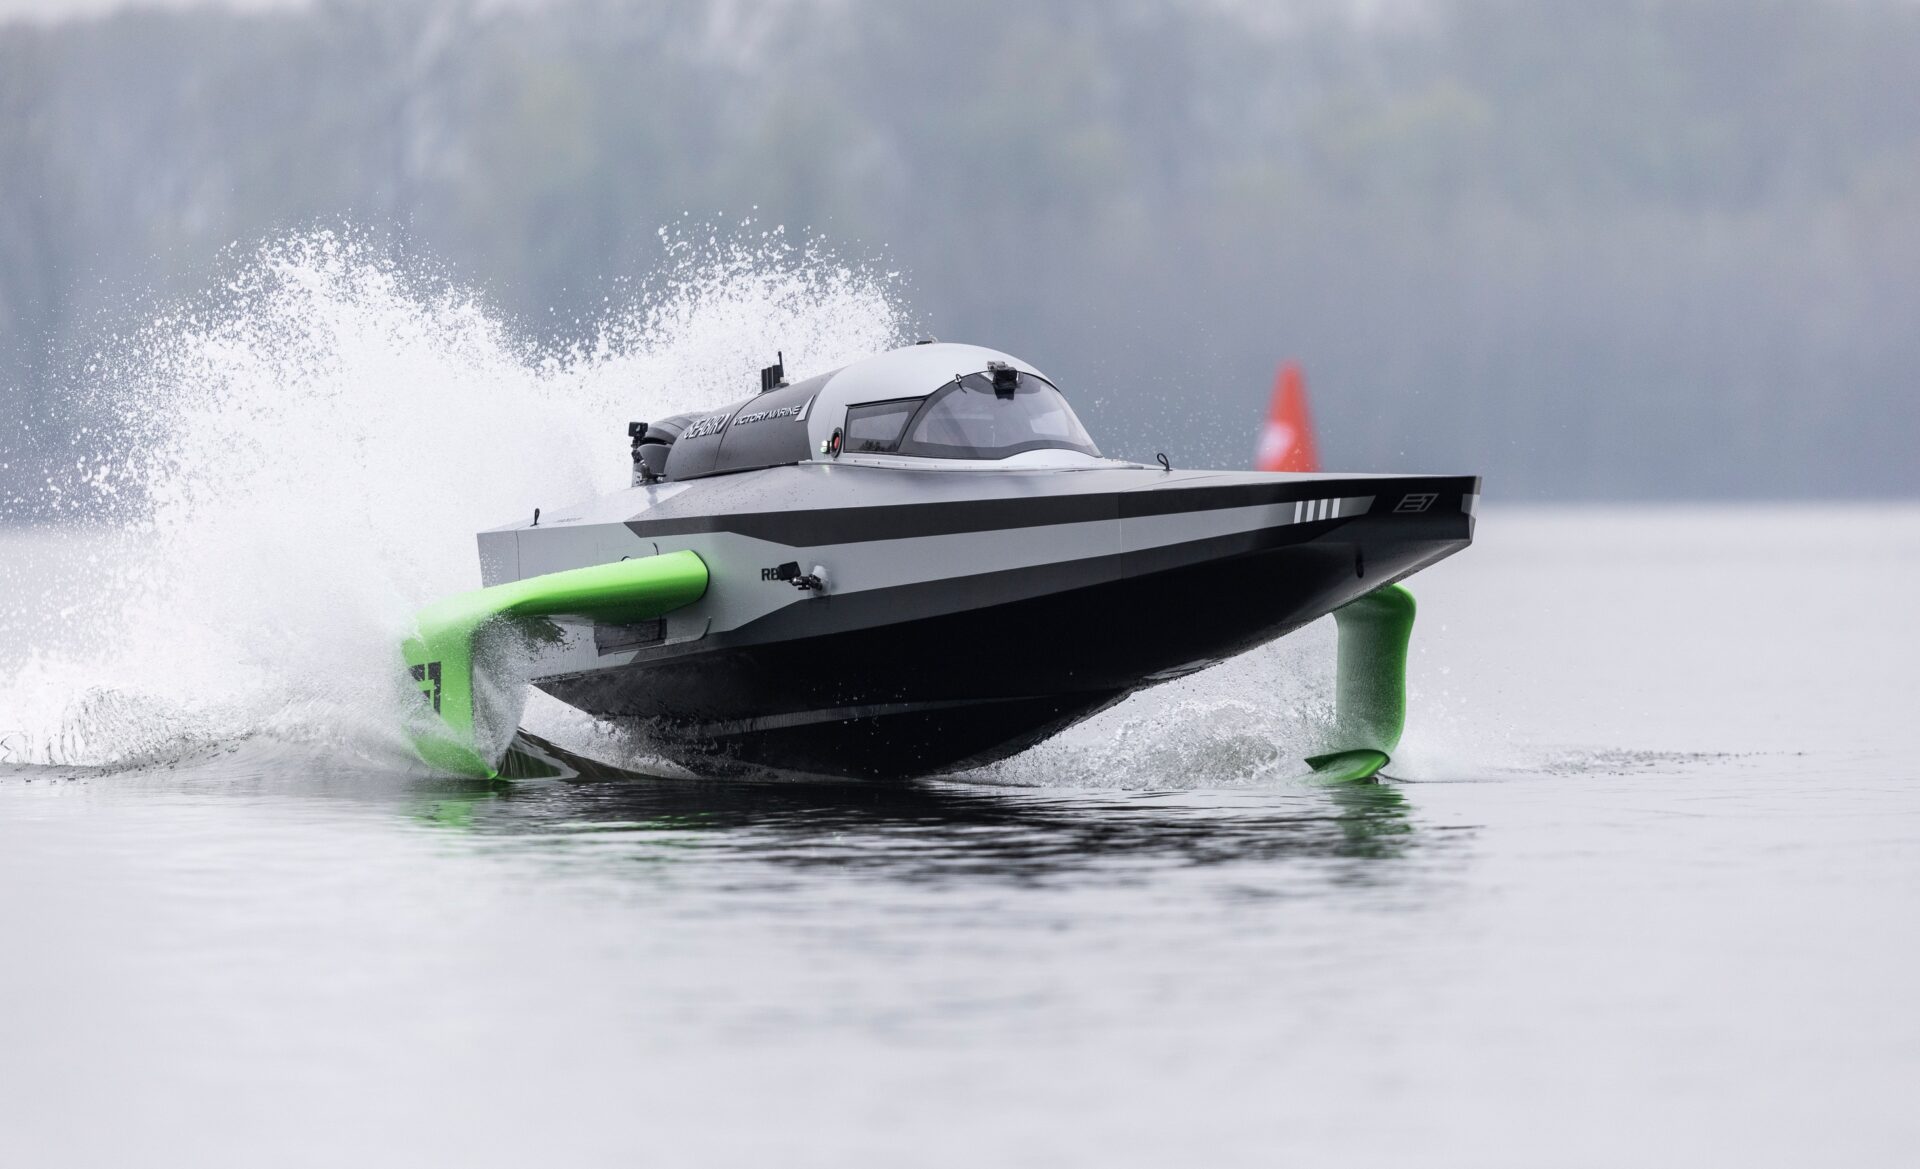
1370	698
472	734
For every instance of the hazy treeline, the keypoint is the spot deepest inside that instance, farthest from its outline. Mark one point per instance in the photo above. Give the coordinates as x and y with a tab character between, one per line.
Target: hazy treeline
1589	249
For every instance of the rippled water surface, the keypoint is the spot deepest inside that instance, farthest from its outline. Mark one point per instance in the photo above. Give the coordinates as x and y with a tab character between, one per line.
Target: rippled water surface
1643	892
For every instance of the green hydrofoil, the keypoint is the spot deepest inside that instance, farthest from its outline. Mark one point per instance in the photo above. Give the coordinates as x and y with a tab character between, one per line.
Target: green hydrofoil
461	639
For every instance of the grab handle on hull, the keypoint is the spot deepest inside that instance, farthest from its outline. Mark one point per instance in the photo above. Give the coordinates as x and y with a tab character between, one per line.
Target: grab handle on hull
1370	695
474	729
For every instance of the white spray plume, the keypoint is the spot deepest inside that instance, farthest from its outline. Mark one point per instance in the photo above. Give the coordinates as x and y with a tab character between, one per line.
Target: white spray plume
302	461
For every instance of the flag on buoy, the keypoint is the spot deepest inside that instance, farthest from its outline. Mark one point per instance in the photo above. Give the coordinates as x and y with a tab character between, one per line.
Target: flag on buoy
1286	443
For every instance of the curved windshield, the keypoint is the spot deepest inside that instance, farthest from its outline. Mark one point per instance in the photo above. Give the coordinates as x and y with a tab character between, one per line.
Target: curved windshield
970	419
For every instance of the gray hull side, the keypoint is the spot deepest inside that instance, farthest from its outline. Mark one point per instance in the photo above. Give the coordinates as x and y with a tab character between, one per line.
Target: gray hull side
877	529
900	547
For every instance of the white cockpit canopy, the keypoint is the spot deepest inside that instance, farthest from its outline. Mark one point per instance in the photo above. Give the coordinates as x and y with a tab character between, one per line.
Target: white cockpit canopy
926	401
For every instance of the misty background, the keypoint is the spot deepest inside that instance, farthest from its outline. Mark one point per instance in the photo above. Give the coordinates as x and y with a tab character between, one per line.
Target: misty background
1590	250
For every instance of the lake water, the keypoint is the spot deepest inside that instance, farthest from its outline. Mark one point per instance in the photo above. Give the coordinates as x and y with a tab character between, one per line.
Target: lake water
1644	889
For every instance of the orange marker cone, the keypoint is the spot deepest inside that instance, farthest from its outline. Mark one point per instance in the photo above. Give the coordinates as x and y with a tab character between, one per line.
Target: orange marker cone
1286	443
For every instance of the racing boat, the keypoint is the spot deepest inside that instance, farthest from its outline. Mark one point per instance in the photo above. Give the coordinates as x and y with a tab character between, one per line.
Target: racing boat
912	564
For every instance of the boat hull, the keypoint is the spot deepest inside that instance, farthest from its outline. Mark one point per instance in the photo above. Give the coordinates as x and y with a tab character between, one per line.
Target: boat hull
956	630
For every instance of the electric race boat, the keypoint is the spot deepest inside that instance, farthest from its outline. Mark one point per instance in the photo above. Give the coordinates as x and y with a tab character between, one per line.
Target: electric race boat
911	564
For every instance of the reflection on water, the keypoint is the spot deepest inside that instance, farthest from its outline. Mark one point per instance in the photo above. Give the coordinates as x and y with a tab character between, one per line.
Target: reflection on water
929	831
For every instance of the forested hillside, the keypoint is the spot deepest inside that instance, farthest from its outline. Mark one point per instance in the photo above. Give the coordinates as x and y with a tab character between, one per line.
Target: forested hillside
1591	250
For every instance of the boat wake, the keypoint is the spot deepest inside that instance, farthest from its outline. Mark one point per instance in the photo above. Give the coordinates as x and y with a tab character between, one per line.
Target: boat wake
281	474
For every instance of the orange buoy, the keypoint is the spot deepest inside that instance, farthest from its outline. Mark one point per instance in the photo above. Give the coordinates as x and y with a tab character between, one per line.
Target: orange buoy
1286	442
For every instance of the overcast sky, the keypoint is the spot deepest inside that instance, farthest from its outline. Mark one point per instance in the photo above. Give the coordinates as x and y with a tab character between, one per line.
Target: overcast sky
56	9
61	9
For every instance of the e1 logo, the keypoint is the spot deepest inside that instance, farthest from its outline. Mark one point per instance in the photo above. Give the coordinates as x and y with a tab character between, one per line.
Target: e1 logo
1417	502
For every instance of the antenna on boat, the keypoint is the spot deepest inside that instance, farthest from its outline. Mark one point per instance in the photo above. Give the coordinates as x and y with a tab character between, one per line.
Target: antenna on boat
774	376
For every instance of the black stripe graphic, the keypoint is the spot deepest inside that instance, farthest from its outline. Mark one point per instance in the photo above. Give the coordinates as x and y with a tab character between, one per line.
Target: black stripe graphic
807	528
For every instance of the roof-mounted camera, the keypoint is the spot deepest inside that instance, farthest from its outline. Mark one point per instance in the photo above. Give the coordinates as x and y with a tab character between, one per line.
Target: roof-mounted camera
1006	379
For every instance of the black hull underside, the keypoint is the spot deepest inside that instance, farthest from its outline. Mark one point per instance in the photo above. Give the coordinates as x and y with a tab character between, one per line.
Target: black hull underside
966	687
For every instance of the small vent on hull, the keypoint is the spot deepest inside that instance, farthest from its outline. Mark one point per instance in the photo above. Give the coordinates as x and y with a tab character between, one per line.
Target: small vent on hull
613	639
